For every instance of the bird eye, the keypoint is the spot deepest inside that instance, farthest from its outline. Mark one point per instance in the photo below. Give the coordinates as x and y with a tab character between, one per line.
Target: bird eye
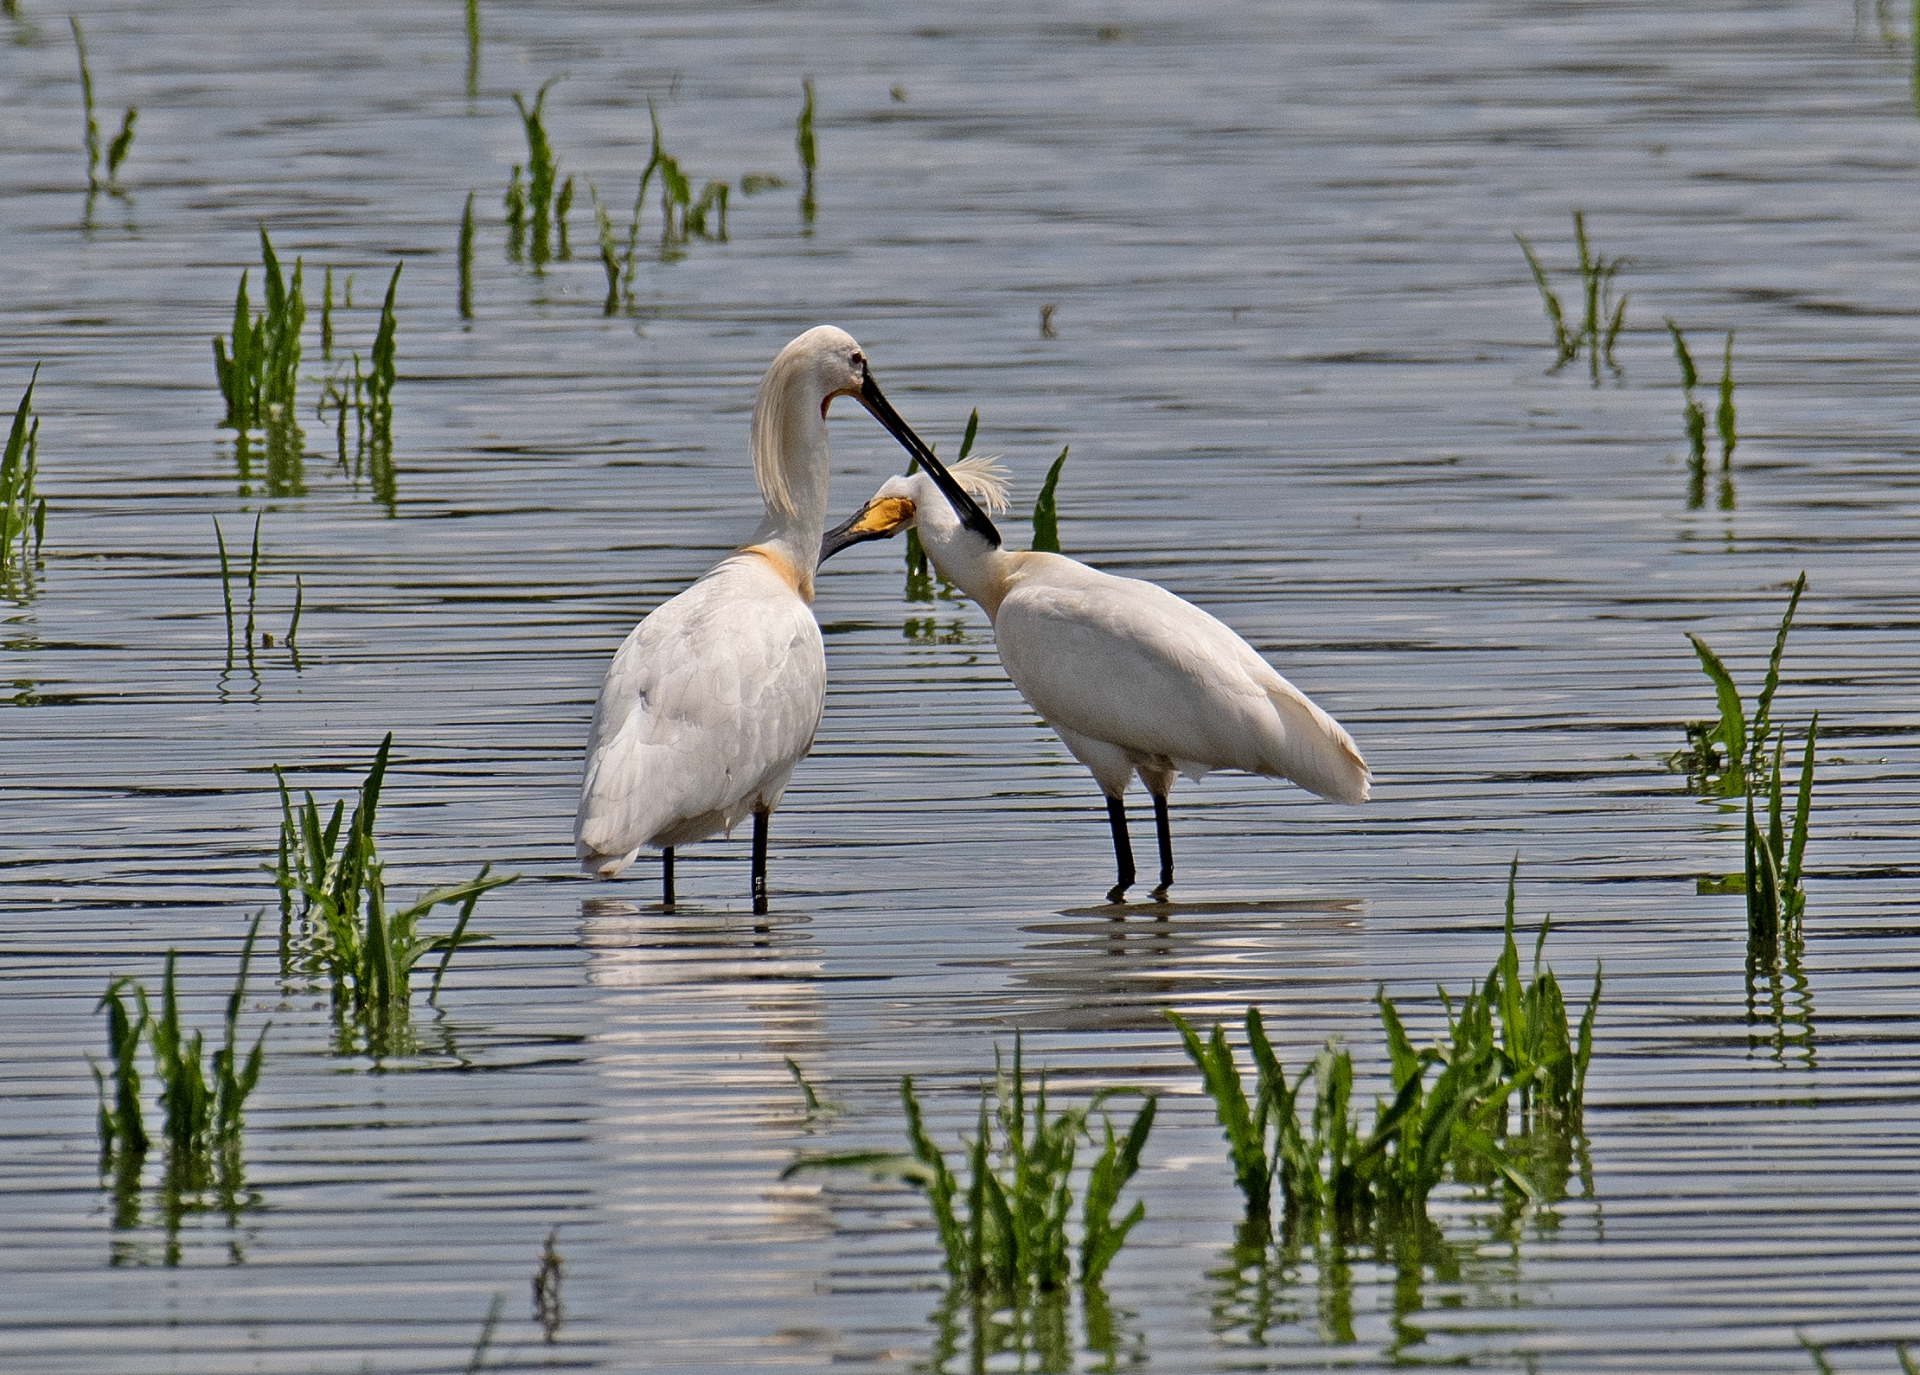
857	359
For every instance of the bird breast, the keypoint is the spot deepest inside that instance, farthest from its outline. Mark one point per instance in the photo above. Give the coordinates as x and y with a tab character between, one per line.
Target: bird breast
713	699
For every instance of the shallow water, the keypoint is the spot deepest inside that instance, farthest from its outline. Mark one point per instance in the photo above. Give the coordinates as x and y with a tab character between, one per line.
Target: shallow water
1298	359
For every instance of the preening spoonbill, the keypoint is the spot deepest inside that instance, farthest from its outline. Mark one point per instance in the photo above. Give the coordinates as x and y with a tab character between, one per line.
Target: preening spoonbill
1133	678
715	696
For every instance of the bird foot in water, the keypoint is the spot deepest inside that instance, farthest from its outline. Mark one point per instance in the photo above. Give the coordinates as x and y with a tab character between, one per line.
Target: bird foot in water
1117	893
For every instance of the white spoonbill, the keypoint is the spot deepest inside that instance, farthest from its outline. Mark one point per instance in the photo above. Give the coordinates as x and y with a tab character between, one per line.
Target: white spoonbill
715	696
1133	678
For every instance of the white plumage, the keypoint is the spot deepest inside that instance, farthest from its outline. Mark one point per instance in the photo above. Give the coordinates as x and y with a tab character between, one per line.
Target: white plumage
714	698
1134	679
707	708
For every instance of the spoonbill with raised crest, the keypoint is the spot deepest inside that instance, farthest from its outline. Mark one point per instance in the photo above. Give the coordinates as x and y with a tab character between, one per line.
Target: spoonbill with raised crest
1133	678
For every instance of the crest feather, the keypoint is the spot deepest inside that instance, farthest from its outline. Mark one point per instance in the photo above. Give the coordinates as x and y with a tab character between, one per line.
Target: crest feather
984	478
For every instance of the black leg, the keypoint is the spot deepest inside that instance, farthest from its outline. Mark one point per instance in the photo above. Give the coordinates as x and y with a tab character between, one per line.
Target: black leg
666	876
759	862
1122	848
1165	829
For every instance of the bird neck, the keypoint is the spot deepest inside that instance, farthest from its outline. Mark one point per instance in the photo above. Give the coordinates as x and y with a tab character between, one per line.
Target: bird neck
792	465
963	557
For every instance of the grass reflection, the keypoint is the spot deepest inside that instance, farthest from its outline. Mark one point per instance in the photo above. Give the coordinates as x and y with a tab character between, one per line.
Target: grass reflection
976	1333
1318	1288
1778	995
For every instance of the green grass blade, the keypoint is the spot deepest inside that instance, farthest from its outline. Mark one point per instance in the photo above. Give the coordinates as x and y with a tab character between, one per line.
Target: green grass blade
1732	730
1763	709
1820	1362
1724	418
466	256
473	49
1046	514
1556	313
1802	810
86	99
973	429
1689	375
122	143
226	585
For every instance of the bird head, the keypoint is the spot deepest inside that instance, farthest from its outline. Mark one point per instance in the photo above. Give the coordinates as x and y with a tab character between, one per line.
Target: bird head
897	505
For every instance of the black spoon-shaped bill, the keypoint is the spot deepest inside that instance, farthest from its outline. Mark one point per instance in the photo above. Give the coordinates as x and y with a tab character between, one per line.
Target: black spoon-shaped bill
968	509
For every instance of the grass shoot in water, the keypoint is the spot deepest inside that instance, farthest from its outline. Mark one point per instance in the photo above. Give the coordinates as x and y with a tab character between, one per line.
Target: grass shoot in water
202	1099
803	142
123	141
1724	416
249	635
380	381
609	250
1694	418
484	1342
549	1310
1046	512
473	49
1509	1048
1773	857
260	376
1721	755
367	396
817	1107
326	318
1602	316
23	512
122	1122
335	919
466	260
1005	1235
1823	1366
543	171
515	202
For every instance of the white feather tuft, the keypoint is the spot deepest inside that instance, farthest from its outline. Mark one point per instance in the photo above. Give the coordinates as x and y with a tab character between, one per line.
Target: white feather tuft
984	478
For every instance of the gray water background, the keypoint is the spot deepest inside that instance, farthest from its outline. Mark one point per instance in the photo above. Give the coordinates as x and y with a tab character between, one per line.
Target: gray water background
1299	363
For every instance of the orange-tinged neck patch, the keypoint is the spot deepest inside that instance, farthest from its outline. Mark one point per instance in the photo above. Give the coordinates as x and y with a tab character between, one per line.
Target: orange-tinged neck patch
801	583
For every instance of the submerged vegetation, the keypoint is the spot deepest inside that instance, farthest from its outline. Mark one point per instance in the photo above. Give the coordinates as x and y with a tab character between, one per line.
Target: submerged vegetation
1601	315
473	49
682	217
1739	756
366	396
1496	1104
1005	1234
122	142
202	1099
1694	417
23	511
1046	511
335	919
537	209
549	1308
258	367
804	145
1505	1104
1723	755
465	298
249	635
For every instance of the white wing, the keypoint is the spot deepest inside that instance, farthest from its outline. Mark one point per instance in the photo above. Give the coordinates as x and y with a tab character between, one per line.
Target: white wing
707	708
1127	662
